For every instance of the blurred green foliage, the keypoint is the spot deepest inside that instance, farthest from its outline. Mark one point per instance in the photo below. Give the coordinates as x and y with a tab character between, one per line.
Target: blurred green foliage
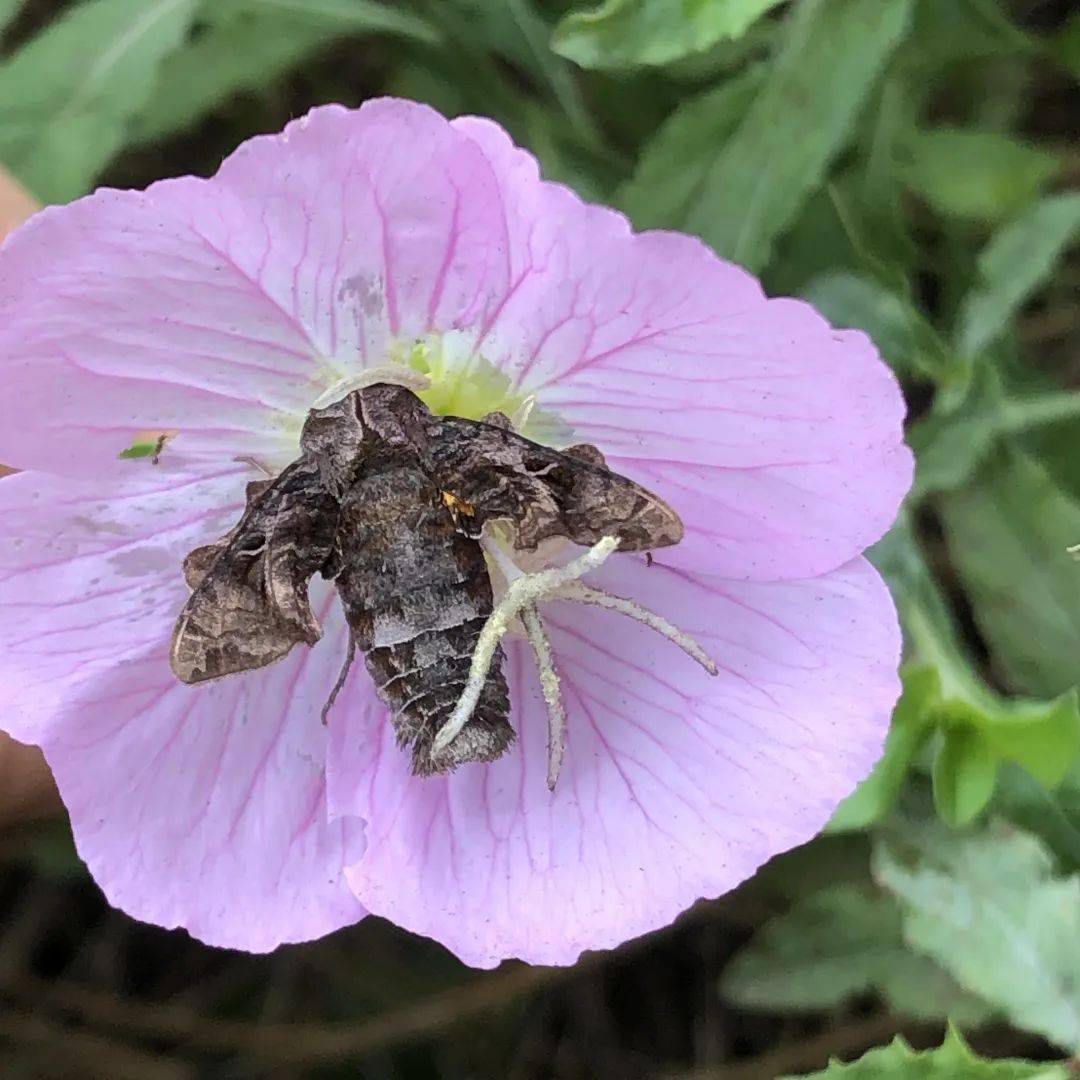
906	165
953	1060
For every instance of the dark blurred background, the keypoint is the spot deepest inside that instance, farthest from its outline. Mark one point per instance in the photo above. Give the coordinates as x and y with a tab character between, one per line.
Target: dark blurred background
922	146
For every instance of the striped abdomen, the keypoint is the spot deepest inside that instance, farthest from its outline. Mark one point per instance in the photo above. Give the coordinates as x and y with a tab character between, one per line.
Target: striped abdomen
416	594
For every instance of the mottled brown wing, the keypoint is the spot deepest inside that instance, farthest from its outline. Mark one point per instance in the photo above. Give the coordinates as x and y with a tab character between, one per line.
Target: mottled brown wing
250	600
499	474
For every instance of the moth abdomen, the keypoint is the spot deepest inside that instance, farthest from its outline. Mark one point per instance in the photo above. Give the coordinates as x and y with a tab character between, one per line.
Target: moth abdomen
417	594
421	681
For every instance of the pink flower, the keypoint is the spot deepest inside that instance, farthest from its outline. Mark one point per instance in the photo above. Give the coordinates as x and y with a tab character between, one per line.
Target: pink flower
219	310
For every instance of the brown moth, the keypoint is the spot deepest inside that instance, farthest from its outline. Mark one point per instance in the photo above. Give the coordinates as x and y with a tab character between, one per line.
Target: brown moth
389	501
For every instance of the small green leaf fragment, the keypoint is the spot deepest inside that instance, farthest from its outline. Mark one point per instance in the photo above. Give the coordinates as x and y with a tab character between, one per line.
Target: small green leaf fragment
1016	261
982	175
138	450
639	33
953	1060
965	771
991	908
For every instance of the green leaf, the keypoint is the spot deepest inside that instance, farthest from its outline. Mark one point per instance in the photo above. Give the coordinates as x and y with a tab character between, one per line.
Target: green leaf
912	724
1016	261
990	909
8	10
953	1060
236	55
837	943
983	175
760	176
674	165
554	71
78	85
1008	529
968	421
1067	46
1053	816
980	729
350	16
633	33
965	771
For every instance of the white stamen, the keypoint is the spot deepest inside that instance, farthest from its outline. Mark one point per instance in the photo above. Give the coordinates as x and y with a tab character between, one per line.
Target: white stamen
397	374
586	595
525	589
549	687
524	592
522	413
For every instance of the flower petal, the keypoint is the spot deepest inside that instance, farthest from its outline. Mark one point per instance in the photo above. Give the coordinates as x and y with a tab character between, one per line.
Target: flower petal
676	785
201	807
777	438
91	576
221	308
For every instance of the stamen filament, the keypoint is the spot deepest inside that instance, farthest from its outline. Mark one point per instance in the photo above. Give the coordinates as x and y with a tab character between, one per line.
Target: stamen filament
586	595
549	687
523	594
526	589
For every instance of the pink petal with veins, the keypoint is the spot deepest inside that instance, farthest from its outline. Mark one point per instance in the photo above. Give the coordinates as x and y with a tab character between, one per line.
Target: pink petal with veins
202	807
217	307
676	785
777	438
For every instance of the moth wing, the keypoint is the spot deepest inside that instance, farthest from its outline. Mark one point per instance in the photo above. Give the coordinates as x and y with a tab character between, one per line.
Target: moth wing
250	602
499	474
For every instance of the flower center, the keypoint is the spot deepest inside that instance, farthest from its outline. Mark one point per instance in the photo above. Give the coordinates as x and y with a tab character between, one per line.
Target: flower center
462	382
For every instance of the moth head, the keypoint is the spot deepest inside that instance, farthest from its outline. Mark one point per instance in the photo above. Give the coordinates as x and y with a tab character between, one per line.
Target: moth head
392	414
334	437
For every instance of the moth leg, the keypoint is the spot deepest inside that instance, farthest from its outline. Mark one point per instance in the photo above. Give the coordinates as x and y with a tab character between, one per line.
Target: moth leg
549	687
255	463
350	656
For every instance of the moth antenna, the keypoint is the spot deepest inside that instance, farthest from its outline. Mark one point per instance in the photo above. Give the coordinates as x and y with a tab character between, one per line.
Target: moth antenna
397	374
350	656
585	594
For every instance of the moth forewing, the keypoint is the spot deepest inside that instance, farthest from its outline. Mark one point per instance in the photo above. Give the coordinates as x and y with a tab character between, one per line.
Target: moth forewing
545	492
250	605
